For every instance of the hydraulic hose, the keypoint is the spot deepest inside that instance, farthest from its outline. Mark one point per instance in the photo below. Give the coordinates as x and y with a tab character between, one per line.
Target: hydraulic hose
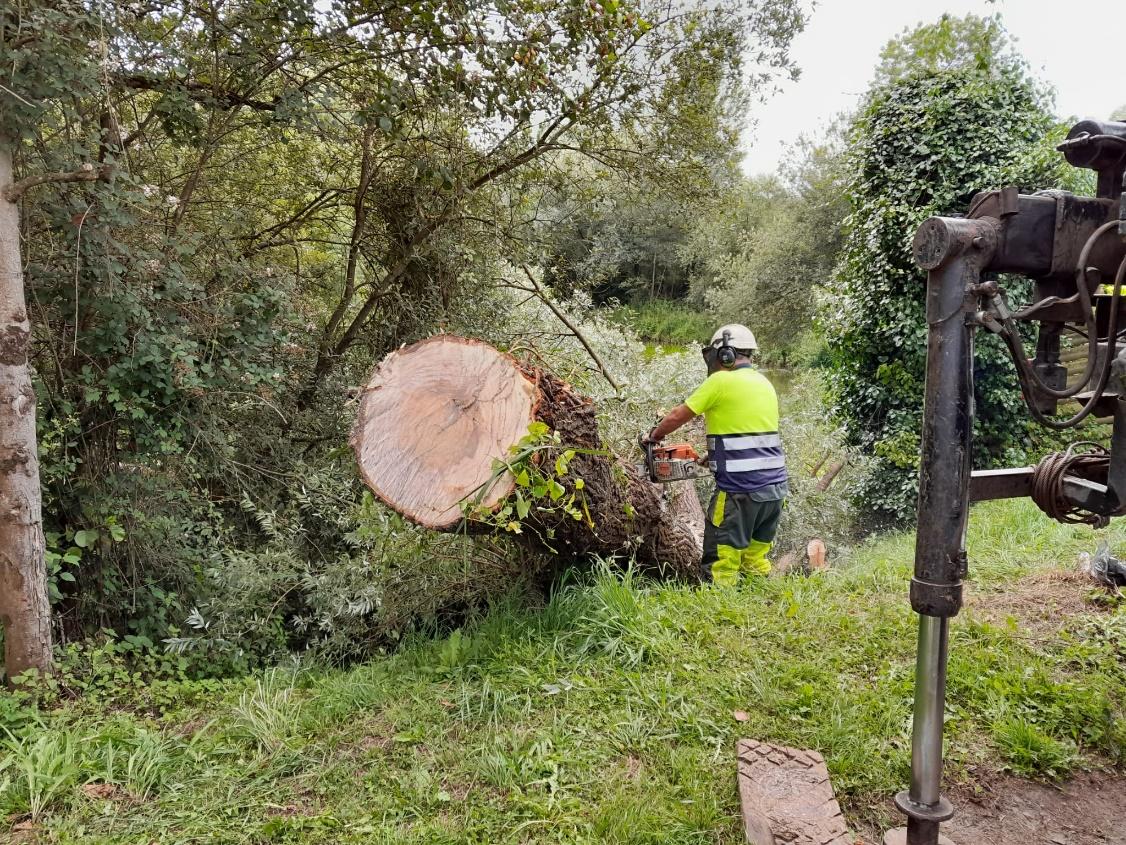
1089	321
1027	376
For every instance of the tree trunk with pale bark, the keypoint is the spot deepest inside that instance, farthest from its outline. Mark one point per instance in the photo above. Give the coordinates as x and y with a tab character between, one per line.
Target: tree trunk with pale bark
24	609
436	417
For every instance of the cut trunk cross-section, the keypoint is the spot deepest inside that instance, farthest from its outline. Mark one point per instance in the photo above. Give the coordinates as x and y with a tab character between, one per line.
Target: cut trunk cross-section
436	417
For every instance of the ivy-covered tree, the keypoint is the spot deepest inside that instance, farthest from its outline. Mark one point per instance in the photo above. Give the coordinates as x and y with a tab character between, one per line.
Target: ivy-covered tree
924	144
950	43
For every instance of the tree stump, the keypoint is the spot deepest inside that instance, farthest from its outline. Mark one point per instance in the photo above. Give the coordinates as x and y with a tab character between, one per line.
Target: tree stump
435	418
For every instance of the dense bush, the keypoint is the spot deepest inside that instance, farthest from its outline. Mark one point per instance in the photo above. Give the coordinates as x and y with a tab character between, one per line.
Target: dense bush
923	145
321	569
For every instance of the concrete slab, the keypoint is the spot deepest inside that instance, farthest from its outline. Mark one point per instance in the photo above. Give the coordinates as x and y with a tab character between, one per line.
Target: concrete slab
787	797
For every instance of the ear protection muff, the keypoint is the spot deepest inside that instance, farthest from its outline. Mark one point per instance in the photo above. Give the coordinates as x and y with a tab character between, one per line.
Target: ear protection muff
726	353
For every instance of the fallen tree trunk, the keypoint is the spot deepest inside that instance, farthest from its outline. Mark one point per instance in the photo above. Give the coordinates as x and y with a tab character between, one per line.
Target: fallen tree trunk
434	438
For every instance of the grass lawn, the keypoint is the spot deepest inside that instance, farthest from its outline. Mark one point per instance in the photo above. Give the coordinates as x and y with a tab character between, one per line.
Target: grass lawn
606	716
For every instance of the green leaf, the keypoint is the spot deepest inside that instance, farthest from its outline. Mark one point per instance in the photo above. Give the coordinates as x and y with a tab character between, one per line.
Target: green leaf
522	479
522	506
538	429
85	538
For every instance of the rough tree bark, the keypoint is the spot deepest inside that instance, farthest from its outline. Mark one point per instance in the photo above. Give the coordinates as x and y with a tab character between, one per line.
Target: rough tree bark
436	415
24	609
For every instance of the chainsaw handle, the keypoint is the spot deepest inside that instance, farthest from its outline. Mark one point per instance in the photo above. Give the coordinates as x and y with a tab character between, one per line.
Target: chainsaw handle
647	447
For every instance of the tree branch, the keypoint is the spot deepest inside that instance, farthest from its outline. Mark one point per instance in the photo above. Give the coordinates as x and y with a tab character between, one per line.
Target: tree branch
86	173
556	128
565	320
197	91
359	220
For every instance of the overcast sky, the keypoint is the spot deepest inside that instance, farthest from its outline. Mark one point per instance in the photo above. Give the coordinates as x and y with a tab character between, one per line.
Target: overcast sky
1069	45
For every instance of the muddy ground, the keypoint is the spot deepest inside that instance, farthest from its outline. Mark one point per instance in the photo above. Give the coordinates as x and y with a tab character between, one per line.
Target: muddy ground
1088	810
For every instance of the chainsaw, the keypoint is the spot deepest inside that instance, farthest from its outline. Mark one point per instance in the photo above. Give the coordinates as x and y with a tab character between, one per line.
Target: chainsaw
667	463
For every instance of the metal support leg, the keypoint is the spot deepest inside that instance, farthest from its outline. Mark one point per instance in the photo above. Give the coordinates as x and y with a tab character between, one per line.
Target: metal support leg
954	251
923	802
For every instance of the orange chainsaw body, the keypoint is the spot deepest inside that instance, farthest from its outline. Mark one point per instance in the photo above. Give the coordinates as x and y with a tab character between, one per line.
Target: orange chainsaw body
674	462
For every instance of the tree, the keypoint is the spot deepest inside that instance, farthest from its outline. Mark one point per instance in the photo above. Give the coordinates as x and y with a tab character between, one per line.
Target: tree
772	277
24	611
924	144
290	189
32	80
972	42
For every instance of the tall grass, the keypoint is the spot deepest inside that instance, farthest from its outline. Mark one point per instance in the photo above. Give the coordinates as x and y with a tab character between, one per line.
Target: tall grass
609	714
139	763
38	770
665	321
268	715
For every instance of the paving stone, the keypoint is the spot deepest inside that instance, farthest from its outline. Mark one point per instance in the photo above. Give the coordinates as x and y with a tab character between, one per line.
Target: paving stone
787	798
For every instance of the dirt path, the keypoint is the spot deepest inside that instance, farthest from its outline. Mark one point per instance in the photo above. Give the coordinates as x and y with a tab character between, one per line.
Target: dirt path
1042	602
1088	810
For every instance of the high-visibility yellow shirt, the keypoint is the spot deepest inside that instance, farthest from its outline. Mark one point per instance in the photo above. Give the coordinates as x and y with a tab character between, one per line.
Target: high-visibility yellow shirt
739	401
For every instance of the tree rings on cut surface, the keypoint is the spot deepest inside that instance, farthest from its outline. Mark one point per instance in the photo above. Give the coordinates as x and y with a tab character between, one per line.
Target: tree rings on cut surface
433	419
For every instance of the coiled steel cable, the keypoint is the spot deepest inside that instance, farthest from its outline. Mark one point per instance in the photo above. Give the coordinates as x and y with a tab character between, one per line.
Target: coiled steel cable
1048	479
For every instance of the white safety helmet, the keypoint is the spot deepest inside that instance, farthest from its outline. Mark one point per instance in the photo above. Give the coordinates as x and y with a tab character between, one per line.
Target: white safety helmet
739	337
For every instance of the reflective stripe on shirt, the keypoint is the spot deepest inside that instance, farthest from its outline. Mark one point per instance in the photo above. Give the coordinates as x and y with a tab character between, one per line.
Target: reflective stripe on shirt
746	441
749	464
746	462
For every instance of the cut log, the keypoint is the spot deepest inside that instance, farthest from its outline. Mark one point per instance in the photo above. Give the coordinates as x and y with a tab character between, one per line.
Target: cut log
433	418
436	417
815	554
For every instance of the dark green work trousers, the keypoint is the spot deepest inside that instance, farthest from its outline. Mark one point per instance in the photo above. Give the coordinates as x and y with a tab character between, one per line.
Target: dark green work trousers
737	536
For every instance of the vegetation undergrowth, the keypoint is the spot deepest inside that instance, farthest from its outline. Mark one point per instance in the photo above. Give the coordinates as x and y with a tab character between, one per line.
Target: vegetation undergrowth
667	322
609	714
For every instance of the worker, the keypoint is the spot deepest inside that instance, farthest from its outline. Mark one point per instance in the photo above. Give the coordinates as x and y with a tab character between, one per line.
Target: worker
740	411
